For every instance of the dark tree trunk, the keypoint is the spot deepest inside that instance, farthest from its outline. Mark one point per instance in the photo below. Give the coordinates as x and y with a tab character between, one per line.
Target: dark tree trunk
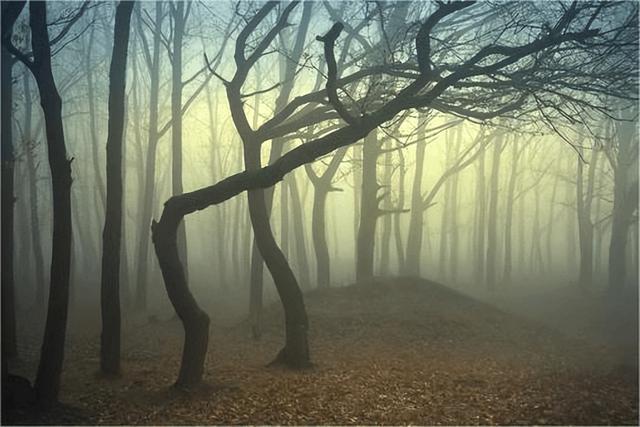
179	18
9	348
296	350
47	384
369	210
149	178
625	203
33	200
194	321
585	226
112	234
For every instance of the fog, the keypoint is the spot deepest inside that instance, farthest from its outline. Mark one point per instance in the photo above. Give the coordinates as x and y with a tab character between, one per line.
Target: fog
504	167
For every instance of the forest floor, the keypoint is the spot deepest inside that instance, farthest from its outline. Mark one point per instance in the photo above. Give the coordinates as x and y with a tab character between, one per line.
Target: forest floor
401	351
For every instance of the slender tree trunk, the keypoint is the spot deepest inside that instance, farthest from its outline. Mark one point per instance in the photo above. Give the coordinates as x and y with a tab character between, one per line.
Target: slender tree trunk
396	218
300	240
149	178
319	237
36	242
93	128
416	225
112	234
481	204
369	210
385	245
492	238
513	177
552	206
625	202
179	18
47	384
444	222
284	217
453	216
585	226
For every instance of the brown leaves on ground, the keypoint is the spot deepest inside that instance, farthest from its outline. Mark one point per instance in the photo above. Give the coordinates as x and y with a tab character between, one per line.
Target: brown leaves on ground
400	352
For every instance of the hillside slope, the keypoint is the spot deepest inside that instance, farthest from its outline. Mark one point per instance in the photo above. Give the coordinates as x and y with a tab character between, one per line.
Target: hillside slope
401	351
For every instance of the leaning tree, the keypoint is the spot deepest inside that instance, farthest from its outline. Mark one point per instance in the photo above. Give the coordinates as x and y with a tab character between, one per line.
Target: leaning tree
477	61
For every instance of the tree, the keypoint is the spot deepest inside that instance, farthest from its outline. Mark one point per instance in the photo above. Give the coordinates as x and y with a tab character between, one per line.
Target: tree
47	384
622	152
322	185
112	234
428	86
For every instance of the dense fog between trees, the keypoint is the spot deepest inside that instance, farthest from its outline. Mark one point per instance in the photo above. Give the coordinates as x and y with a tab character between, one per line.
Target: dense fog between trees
489	147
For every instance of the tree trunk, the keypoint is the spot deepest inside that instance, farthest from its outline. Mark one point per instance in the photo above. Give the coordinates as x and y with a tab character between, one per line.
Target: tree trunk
385	244
585	226
369	210
296	350
492	238
453	216
112	234
397	229
93	128
480	226
625	202
149	178
47	384
416	224
300	240
318	232
513	177
179	19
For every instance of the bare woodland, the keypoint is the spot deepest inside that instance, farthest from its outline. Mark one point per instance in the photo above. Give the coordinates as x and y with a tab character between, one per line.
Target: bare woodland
425	205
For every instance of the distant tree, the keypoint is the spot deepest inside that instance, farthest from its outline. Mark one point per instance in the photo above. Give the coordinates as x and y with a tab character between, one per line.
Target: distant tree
622	153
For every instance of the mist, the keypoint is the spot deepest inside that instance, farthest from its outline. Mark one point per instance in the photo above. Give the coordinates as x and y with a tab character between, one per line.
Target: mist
235	212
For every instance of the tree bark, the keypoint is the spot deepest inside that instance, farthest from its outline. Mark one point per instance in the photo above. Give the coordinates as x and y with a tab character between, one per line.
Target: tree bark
149	178
492	238
508	238
112	233
369	210
179	18
47	384
416	223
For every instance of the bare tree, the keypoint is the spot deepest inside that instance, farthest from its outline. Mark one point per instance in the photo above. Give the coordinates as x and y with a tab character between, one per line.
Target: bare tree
112	234
47	384
429	86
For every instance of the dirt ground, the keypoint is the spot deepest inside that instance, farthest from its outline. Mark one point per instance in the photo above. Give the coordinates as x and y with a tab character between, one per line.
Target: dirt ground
401	351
